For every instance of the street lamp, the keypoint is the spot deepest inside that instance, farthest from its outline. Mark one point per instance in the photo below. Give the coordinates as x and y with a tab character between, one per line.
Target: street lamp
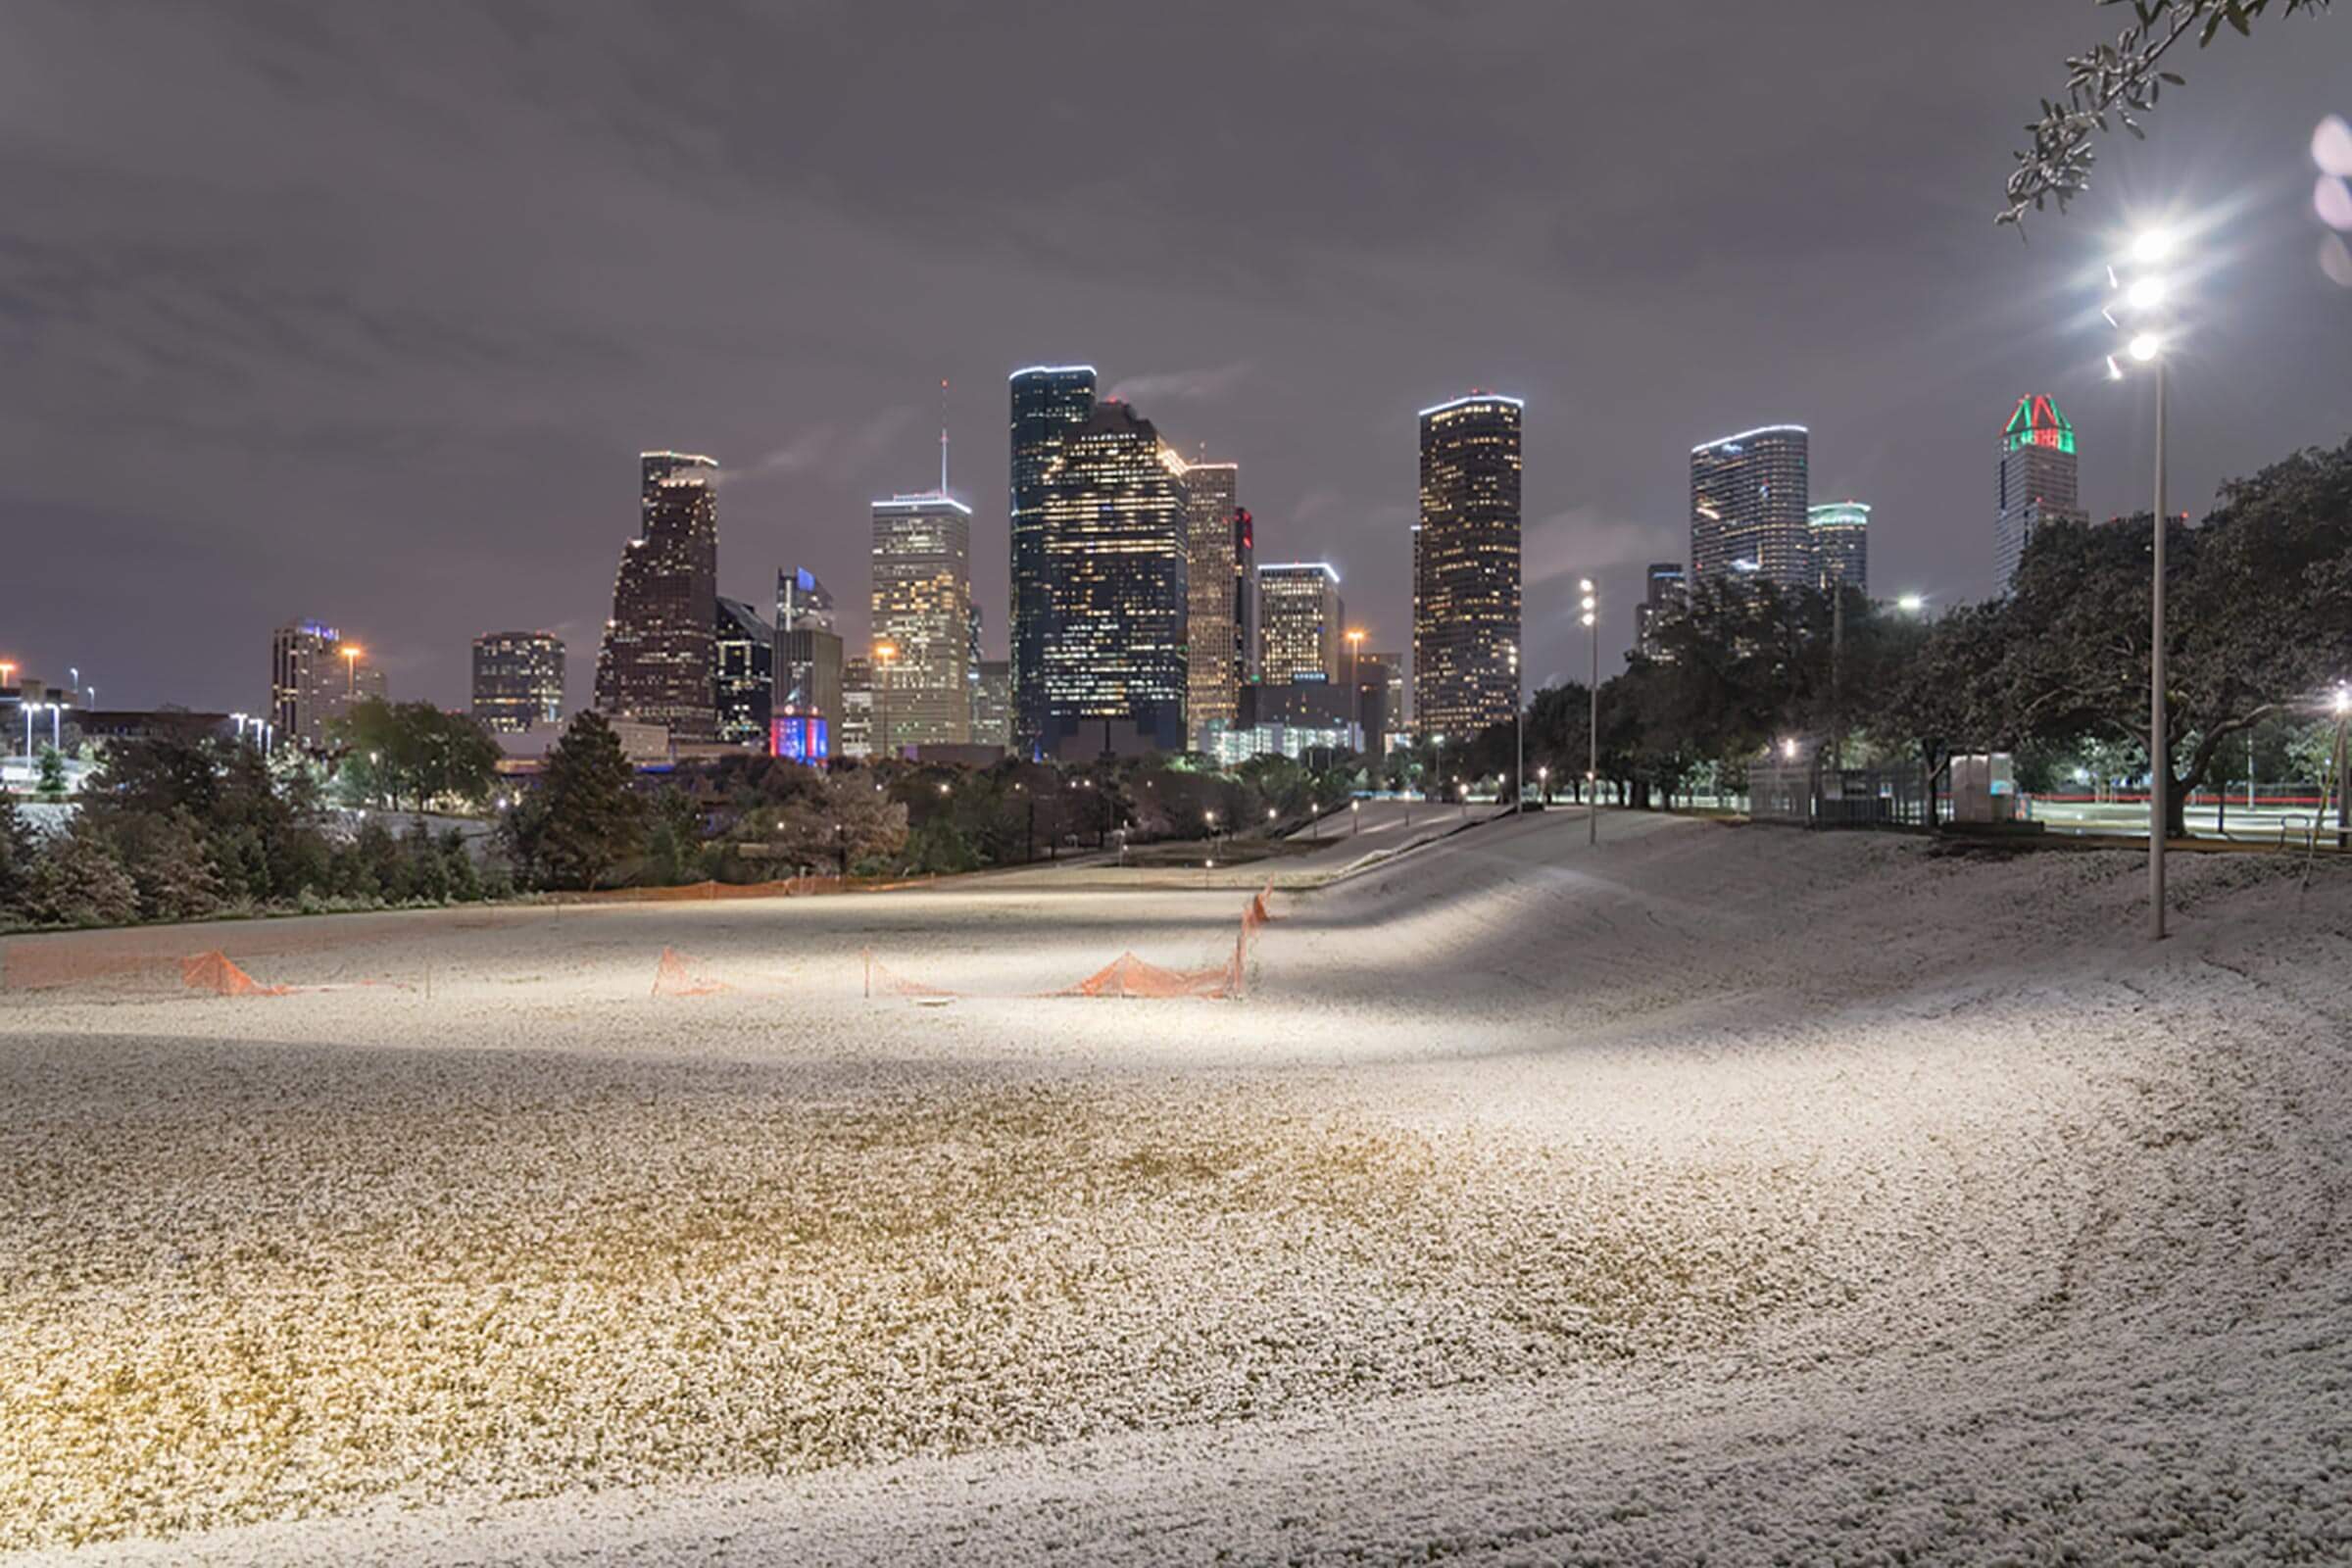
885	655
351	671
2135	305
1911	604
1543	784
1592	608
1356	690
2343	704
1518	735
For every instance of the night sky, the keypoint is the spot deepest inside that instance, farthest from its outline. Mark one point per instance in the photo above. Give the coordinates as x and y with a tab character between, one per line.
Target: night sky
363	312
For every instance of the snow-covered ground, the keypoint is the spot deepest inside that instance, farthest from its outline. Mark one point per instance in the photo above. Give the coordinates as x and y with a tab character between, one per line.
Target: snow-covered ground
1734	1192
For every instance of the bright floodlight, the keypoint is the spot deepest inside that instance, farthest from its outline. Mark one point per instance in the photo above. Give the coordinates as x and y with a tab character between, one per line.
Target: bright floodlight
1589	602
2146	347
1584	585
1587	617
2145	294
1788	750
2344	698
1911	604
2150	246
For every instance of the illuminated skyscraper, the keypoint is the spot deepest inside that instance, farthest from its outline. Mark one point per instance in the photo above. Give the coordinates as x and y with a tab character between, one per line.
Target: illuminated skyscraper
1302	622
1116	571
804	715
1218	548
1749	499
1666	588
656	663
1049	402
922	607
314	679
517	680
2039	482
1466	566
1840	544
741	677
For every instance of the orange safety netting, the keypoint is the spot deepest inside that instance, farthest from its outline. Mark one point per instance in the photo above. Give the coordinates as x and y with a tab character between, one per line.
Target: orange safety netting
215	972
678	975
1129	976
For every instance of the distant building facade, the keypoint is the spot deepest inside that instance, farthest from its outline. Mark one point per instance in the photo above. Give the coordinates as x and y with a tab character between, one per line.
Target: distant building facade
1466	566
2039	481
1749	499
742	655
992	705
805	710
517	680
856	736
315	677
1665	590
1395	711
1116	569
1218	592
922	610
657	661
1302	622
1049	402
1840	532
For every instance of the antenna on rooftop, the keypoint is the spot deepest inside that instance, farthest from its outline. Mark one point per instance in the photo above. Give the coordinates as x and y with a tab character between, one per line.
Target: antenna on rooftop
943	435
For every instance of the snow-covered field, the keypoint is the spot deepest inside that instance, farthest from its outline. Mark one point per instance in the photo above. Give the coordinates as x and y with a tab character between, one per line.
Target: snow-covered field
1732	1194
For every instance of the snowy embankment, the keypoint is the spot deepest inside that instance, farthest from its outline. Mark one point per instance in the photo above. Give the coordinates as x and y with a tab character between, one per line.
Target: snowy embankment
1742	1192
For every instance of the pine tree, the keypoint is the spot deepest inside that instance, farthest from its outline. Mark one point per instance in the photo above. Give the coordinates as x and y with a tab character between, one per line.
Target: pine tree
584	818
80	880
16	852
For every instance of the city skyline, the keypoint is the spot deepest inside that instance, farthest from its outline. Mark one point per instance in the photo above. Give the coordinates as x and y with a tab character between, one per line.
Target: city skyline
442	439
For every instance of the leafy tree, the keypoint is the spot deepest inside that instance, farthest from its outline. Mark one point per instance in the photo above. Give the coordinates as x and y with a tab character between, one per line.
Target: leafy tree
414	752
16	852
583	819
166	856
675	845
78	880
2121	80
53	774
844	823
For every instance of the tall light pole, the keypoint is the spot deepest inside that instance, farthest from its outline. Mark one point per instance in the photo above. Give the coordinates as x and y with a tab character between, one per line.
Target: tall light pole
1518	734
2138	299
2343	802
1592	608
1356	690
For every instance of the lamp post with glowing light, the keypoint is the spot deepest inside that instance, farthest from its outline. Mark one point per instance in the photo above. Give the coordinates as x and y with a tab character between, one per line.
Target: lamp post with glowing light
1591	612
1518	735
2136	307
2343	803
351	671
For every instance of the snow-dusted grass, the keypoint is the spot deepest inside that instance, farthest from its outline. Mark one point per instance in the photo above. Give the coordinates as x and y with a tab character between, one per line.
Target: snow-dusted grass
1725	1190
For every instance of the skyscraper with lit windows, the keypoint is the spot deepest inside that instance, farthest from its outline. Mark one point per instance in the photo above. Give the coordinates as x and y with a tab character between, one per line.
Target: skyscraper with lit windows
922	614
1751	497
1049	402
2039	482
1217	591
743	673
1117	559
1840	545
1466	566
517	680
805	713
656	663
1301	622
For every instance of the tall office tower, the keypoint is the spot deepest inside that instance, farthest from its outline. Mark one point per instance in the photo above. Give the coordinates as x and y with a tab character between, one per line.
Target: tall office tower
1049	402
1394	716
742	653
1665	589
1117	574
806	712
1749	494
517	680
856	736
1215	594
1466	566
315	679
1302	622
971	670
923	612
992	705
1375	679
1840	532
656	663
2039	481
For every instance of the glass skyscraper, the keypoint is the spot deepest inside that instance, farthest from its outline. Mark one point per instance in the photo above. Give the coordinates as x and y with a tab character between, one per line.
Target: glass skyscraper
1840	544
1749	499
1218	592
1466	566
741	676
1299	619
2039	481
922	610
517	680
1116	571
656	663
1049	401
805	715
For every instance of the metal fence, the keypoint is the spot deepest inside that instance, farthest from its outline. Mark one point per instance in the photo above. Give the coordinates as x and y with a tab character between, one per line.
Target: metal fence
1798	793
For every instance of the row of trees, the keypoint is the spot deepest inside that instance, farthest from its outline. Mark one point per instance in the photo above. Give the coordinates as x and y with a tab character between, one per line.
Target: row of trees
2259	632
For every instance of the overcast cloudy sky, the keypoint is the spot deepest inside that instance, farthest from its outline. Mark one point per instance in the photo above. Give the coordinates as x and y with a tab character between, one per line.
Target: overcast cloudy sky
362	312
